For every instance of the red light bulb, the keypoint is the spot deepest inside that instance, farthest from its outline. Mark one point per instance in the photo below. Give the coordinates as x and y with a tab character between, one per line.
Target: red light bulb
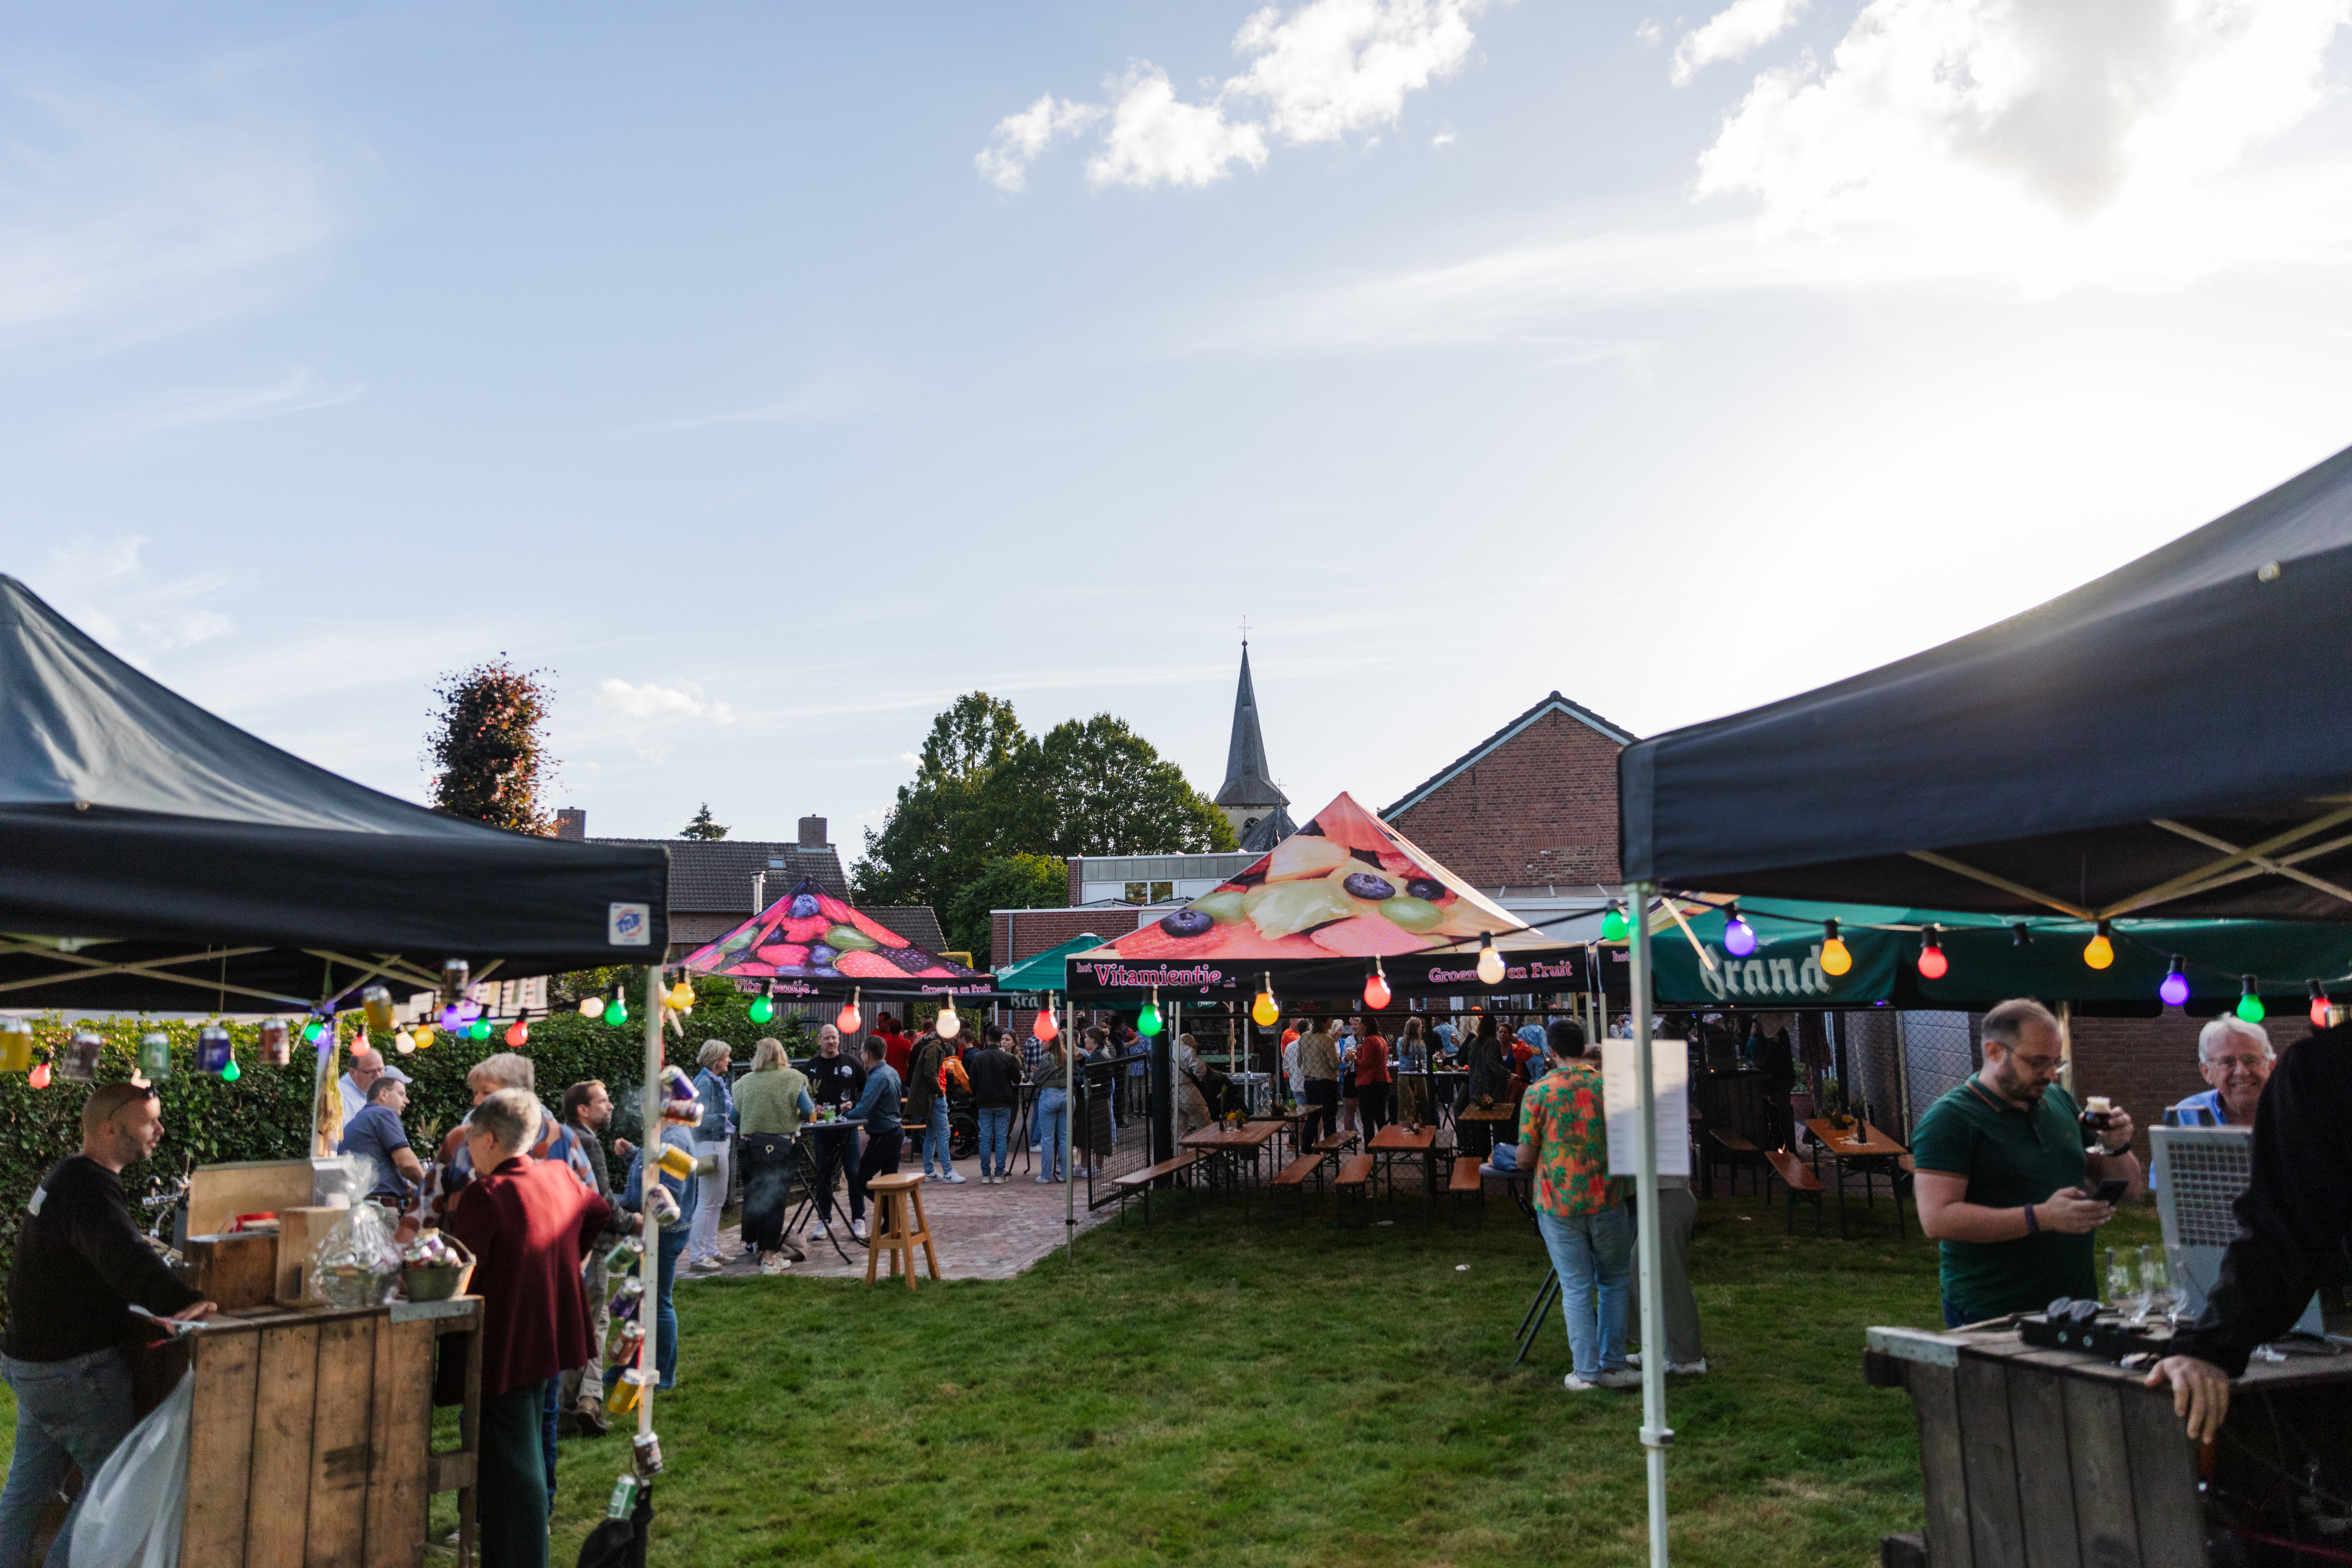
1045	1028
1933	964
40	1077
1376	992
849	1020
517	1033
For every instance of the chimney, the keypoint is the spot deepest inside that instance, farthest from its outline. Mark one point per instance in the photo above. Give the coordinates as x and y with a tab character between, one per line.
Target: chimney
813	833
1077	894
571	822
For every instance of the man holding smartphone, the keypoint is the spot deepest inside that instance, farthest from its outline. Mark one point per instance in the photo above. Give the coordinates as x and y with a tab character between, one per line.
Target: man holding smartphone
2006	1182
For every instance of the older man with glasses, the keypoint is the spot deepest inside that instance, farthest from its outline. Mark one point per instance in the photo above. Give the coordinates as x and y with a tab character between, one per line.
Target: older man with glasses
2235	1058
2007	1175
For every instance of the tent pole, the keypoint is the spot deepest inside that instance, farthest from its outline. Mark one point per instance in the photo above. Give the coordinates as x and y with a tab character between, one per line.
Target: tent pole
1070	1112
1655	1434
2066	1046
649	1266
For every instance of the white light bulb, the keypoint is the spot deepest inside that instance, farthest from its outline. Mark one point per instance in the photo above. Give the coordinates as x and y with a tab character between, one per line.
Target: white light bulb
1490	965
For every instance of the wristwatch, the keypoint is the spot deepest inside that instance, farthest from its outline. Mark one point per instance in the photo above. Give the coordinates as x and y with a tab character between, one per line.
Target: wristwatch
2112	1153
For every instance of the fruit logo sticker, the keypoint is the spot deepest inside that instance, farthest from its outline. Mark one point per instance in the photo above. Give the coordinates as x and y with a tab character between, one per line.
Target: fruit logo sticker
809	934
1346	885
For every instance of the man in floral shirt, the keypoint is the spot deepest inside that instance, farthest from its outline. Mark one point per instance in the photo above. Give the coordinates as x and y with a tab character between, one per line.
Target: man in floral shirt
1564	1140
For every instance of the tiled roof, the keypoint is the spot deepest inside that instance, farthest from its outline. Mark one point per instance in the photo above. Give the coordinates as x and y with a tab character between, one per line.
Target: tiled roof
1554	701
916	922
715	874
1270	830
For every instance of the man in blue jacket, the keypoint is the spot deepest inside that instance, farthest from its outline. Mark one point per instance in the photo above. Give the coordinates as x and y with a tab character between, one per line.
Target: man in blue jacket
878	1111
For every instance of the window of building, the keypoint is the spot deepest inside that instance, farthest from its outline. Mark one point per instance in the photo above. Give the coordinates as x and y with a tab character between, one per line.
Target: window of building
1151	893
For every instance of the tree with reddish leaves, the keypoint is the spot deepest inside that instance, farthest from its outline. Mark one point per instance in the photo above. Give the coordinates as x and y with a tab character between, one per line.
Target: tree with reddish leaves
485	748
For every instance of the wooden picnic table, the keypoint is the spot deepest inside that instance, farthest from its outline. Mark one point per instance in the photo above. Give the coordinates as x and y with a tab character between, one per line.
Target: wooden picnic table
1393	1142
1230	1145
1286	1121
1869	1153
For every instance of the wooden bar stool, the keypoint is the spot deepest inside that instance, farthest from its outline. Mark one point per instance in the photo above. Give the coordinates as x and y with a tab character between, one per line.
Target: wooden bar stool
898	1224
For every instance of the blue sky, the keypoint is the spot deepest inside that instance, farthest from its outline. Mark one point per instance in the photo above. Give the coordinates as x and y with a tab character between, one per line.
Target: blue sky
772	375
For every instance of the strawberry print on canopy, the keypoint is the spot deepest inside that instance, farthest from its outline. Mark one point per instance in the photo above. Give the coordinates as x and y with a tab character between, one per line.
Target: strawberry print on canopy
810	935
1344	886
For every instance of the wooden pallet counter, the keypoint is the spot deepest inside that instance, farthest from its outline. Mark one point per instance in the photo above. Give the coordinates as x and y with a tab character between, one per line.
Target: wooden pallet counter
2047	1458
311	1435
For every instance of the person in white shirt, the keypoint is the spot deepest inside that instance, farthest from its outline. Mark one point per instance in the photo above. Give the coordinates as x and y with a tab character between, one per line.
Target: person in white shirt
367	1065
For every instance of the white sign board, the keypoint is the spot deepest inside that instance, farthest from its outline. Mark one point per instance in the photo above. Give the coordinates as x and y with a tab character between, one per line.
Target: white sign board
1621	1100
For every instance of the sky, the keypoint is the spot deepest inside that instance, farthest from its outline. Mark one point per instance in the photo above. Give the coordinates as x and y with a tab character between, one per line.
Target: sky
771	375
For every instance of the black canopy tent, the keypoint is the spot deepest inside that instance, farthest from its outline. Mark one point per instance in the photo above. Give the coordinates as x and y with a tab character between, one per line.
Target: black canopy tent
154	856
2171	735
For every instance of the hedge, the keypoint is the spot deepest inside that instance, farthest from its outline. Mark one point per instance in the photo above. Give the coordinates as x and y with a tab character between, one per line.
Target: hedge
266	1113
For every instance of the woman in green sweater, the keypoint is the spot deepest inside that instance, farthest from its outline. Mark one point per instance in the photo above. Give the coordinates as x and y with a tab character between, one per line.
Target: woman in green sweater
770	1104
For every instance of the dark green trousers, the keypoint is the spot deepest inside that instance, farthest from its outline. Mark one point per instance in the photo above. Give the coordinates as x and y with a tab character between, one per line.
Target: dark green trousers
510	1500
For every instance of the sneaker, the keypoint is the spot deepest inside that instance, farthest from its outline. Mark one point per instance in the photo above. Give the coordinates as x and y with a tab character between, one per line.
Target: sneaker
1576	1384
1620	1377
1673	1368
1045	1181
858	1230
774	1263
950	1177
818	1231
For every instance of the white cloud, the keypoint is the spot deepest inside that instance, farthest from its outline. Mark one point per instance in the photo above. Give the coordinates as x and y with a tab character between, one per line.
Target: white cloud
124	213
1649	32
1737	29
2060	139
1154	139
651	702
1020	137
226	405
1337	66
1326	69
104	588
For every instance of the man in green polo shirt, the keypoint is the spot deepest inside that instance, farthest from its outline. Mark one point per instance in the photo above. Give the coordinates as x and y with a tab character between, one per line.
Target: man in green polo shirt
2004	1178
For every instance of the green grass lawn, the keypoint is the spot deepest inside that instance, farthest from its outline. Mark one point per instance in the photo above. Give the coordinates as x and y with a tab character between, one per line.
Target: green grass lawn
1269	1393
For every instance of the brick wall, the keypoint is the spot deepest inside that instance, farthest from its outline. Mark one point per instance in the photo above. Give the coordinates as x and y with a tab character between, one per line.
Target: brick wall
1541	807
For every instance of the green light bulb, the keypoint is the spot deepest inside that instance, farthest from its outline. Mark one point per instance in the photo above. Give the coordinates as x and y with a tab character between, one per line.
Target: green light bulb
479	1029
312	1030
2249	1008
761	1009
232	1072
1147	1021
1613	925
616	1011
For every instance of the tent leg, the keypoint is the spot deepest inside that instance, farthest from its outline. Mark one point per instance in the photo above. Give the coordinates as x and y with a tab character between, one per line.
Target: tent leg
1655	1434
1069	1114
649	1266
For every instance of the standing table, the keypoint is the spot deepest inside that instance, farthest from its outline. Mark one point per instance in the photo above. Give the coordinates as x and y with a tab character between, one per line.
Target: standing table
808	1177
1393	1143
1870	1154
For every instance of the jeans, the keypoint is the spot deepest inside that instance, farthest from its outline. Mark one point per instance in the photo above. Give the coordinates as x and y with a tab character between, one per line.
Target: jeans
586	1383
512	1499
1323	1097
705	1231
996	1123
1052	1133
673	1243
836	1156
1374	1099
70	1411
881	1159
935	1139
1594	1256
551	1416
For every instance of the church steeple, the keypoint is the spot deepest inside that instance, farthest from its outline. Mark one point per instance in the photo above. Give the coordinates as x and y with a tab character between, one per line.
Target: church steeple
1249	796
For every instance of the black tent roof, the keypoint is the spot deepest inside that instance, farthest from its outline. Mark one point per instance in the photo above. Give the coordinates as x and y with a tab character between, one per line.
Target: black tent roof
152	856
2172	736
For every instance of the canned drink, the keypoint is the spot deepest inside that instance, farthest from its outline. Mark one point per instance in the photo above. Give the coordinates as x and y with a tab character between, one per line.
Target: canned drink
276	1042
625	1499
82	1057
16	1045
156	1056
621	1344
677	1161
376	1003
622	1393
626	1254
665	1206
212	1053
646	1449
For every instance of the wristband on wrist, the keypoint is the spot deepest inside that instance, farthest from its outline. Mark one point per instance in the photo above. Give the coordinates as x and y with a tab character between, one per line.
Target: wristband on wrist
2032	1225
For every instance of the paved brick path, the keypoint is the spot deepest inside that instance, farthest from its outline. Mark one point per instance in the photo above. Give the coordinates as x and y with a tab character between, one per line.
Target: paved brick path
979	1233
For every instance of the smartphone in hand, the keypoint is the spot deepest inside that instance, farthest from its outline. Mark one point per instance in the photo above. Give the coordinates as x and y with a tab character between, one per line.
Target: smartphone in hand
2111	1191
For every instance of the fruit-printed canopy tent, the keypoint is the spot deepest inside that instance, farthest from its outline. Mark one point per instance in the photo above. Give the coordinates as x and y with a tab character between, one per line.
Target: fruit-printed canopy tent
810	944
1315	914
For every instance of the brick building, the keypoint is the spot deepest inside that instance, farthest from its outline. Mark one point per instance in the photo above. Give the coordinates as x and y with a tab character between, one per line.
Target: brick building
1532	805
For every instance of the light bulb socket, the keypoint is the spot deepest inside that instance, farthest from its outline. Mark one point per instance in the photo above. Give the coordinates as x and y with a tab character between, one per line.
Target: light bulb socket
1829	931
2021	934
2318	992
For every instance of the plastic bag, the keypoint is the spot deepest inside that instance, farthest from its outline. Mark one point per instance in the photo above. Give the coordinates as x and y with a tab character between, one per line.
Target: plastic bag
130	1513
358	1261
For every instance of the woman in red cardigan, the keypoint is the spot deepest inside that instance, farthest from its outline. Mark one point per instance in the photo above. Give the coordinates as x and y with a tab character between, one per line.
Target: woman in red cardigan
528	1224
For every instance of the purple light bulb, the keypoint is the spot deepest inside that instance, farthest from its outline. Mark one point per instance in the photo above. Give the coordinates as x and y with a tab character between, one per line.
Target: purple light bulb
1739	937
2174	990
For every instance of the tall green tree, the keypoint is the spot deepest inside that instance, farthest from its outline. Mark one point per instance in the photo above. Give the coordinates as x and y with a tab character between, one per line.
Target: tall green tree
1007	882
985	792
488	758
943	829
702	827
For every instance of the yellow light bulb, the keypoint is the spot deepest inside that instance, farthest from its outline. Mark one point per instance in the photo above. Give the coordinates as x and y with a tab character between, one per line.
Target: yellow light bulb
1835	958
2099	952
1263	1010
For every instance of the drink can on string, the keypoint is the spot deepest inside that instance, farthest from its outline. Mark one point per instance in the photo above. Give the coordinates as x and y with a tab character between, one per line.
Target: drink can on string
645	1449
82	1056
277	1039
